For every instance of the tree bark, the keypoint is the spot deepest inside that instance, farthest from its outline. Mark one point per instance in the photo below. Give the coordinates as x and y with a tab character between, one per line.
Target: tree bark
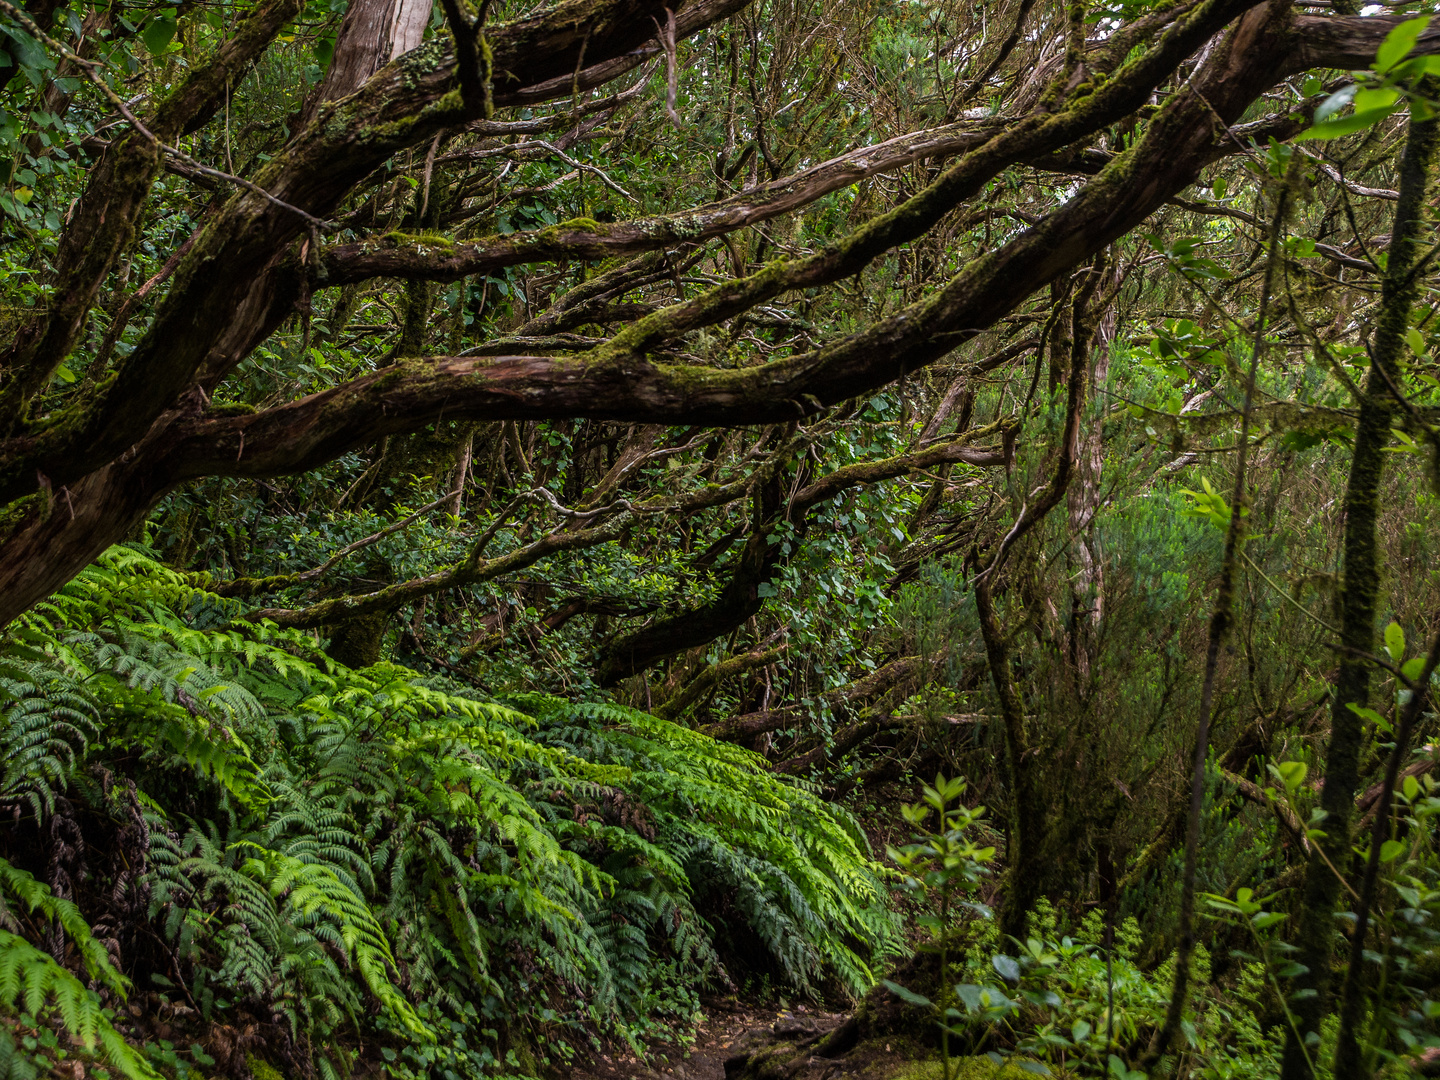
373	33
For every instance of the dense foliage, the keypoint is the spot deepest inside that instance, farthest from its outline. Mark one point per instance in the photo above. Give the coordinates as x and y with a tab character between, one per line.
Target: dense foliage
500	504
321	863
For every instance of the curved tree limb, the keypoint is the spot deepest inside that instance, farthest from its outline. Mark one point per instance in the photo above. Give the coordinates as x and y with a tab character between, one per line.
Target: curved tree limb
143	433
713	676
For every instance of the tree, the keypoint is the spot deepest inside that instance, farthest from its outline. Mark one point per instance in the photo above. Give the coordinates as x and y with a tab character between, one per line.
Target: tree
81	467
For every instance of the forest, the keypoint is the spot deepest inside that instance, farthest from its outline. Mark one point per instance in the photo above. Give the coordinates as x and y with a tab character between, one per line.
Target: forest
719	539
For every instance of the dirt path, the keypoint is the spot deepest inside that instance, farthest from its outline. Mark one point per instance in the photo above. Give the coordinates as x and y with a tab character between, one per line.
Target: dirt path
705	1059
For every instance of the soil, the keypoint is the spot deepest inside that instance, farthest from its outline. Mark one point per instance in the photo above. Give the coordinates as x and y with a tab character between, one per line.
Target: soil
717	1039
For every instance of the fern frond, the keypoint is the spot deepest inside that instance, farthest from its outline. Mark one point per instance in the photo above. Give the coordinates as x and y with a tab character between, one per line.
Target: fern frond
31	980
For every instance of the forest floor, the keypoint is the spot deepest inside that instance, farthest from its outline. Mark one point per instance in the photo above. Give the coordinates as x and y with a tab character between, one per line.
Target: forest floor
704	1059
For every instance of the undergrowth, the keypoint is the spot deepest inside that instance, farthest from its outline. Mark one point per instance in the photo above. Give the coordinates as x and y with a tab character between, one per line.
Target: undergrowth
293	863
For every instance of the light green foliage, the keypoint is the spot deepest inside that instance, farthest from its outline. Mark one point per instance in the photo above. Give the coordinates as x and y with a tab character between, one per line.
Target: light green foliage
944	864
31	980
1060	993
323	842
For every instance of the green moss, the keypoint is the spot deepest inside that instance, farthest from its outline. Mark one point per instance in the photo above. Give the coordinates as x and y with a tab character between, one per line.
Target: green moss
229	408
417	63
686	226
15	514
966	1068
426	239
262	1070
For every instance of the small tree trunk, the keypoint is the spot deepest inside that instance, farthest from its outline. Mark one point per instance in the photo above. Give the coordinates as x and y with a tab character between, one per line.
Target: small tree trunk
1027	817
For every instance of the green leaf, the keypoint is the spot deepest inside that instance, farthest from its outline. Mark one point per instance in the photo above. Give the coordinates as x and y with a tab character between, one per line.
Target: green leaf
1415	340
1417	66
27	50
1335	102
1267	919
1391	850
1290	773
1366	713
907	996
1413	668
1398	43
1348	125
1380	97
1395	641
1411	787
157	33
1008	967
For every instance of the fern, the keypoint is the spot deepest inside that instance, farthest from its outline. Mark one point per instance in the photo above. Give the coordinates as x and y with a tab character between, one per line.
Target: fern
316	896
31	980
797	870
320	837
46	722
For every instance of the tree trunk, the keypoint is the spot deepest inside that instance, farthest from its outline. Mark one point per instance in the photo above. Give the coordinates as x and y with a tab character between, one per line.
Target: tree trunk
374	33
1025	838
